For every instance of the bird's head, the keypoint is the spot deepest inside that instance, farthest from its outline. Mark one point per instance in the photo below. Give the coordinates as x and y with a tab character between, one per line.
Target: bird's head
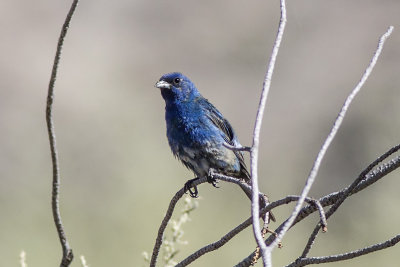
176	86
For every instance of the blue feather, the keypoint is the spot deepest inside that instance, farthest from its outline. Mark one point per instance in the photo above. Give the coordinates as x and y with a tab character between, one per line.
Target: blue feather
197	131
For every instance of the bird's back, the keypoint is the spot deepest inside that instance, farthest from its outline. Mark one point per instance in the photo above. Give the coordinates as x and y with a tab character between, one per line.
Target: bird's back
196	132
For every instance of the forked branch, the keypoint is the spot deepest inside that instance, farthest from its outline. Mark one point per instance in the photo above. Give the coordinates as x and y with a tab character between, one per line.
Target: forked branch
255	207
314	170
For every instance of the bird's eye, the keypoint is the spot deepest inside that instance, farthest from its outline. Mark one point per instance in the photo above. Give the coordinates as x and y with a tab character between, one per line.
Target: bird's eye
177	81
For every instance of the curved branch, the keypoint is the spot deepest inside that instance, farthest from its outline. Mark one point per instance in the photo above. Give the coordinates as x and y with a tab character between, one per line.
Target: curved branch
314	171
346	256
226	238
245	187
332	198
166	219
67	251
256	137
315	205
345	194
247	190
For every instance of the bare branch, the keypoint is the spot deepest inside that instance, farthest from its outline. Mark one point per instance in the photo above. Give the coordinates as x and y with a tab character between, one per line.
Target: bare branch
256	136
245	187
166	219
330	199
346	256
237	148
323	223
346	193
247	190
215	245
226	238
315	205
328	141
67	251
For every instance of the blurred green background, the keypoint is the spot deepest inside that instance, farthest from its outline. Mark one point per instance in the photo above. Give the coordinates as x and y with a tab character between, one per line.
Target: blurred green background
118	174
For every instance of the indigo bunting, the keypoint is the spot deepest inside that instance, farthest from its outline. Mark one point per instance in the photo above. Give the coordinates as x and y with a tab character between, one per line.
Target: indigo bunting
197	131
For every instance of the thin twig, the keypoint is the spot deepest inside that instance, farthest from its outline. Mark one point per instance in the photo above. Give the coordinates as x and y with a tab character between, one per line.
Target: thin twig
225	239
67	251
166	219
237	148
362	175
315	205
256	136
248	191
215	245
245	187
328	141
346	256
346	193
323	223
330	199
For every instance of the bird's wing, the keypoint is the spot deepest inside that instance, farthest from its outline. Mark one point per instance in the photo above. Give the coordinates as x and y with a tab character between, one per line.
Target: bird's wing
227	133
218	120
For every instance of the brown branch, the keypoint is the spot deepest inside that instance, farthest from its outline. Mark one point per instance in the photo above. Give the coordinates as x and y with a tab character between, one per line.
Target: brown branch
67	251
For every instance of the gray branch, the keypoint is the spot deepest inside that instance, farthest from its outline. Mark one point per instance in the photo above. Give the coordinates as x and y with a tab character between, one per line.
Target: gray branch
245	187
226	238
166	219
346	256
365	179
237	148
346	193
67	251
330	199
338	122
369	177
256	138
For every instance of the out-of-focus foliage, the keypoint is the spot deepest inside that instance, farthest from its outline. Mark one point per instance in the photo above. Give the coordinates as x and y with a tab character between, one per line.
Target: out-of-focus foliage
117	172
172	240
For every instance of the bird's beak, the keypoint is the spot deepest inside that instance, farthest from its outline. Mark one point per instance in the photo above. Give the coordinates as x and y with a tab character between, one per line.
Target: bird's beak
163	85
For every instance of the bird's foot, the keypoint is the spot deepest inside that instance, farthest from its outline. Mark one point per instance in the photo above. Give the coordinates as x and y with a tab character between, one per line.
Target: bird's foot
189	186
211	179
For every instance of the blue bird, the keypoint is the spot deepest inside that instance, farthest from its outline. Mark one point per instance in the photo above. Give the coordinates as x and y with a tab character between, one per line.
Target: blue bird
197	132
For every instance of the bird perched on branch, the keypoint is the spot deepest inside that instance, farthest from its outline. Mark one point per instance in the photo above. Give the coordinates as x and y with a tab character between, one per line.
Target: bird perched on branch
197	132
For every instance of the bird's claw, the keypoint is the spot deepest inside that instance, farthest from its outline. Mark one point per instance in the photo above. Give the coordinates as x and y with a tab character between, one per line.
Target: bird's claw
188	187
211	179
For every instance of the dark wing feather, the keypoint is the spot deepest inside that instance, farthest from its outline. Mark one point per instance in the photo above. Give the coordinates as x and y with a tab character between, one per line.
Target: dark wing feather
228	134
